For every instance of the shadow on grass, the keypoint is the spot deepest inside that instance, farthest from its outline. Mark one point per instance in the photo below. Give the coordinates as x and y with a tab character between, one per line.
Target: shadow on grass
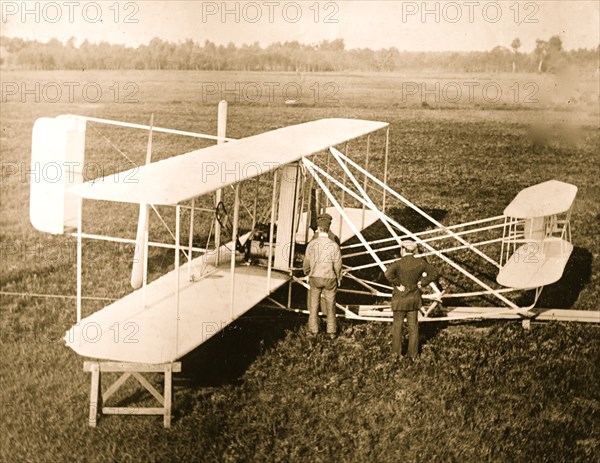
428	331
221	360
564	293
225	357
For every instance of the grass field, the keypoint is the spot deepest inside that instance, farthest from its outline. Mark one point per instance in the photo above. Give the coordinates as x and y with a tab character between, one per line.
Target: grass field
261	391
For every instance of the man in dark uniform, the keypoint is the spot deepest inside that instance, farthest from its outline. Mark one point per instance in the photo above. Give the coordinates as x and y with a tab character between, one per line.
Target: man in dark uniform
408	274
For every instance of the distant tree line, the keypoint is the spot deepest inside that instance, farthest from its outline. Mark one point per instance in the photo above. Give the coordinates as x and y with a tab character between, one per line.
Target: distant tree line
548	56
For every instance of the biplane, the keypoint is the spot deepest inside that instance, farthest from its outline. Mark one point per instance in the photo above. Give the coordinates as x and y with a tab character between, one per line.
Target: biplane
261	197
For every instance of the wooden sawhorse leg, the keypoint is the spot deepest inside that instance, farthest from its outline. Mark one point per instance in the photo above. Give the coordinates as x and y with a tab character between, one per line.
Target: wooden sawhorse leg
94	393
98	399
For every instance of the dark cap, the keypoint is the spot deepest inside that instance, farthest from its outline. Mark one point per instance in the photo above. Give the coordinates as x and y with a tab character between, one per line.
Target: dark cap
324	218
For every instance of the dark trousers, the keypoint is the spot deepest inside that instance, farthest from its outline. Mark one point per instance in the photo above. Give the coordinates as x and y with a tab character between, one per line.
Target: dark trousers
327	288
412	325
406	307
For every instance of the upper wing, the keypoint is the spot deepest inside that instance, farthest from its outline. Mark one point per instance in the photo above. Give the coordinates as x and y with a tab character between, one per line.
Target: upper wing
189	175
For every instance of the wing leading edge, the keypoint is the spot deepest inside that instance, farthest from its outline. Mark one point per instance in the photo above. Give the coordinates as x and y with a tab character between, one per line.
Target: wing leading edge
181	178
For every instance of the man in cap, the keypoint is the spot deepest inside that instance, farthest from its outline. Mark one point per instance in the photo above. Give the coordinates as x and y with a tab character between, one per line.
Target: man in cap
408	274
323	265
325	220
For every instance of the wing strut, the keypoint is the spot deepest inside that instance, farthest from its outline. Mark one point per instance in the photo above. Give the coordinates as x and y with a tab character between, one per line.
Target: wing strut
315	170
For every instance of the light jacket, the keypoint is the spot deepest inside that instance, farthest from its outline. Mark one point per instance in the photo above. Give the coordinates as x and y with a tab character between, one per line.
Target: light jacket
323	258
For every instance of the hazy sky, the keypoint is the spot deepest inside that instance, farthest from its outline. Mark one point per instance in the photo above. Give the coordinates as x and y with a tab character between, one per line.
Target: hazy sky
406	25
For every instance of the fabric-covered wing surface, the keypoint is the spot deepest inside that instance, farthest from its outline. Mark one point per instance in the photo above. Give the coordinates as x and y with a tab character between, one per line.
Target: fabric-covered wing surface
193	174
543	199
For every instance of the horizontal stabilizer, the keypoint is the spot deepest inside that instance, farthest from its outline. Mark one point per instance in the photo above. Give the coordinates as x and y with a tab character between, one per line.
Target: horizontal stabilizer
536	264
544	199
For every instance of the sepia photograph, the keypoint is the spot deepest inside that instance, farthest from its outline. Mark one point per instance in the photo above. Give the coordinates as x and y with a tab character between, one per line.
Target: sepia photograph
300	231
